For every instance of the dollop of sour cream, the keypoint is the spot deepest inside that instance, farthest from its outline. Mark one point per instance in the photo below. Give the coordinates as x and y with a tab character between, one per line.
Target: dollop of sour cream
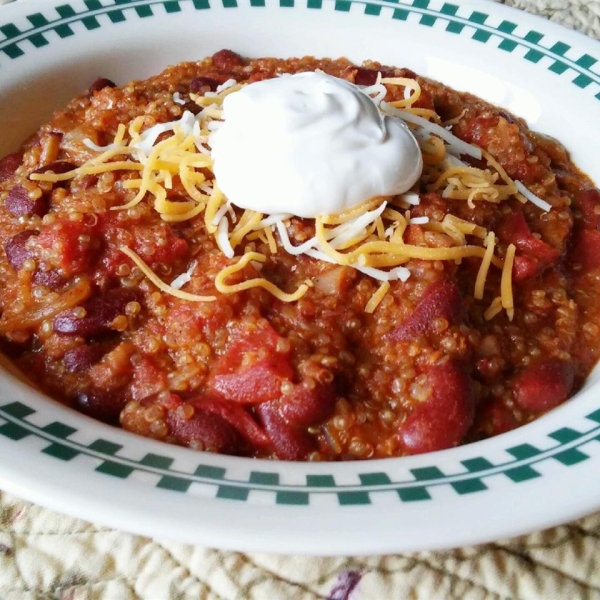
310	144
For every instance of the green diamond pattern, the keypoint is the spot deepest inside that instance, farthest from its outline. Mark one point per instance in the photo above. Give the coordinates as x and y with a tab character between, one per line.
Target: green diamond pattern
17	410
469	486
232	492
175	484
13	431
413	494
525	456
264	478
61	451
352	498
320	481
294	498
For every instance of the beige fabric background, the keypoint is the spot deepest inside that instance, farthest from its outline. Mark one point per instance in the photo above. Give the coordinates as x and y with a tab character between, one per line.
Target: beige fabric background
47	556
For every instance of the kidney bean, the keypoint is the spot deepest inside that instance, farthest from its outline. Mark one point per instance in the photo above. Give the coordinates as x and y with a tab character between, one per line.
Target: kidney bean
227	60
201	85
83	357
100	84
208	429
498	418
237	416
289	442
544	385
444	418
100	404
441	299
16	249
58	167
306	406
585	251
20	204
100	313
52	279
9	164
587	201
507	117
365	76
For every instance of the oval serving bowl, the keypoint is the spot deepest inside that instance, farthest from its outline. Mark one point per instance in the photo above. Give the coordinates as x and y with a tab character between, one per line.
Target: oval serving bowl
537	476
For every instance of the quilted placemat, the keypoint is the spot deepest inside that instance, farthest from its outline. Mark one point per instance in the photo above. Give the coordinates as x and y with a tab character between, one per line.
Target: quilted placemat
48	556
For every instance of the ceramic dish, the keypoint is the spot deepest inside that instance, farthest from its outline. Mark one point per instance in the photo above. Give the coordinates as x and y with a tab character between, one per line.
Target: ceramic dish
537	476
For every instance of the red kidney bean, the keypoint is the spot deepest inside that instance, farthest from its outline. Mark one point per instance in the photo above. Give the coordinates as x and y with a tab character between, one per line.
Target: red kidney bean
306	406
587	201
9	164
227	60
100	84
289	442
544	385
100	313
100	404
208	429
83	357
365	76
51	279
499	418
441	299
20	204
58	167
585	251
237	416
444	418
16	250
506	117
201	85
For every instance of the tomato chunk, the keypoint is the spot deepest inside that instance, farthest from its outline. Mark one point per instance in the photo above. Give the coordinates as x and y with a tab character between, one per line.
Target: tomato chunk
533	255
544	385
254	368
442	420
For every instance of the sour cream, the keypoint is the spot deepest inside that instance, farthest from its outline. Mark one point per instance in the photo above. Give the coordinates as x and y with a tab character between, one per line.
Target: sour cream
310	144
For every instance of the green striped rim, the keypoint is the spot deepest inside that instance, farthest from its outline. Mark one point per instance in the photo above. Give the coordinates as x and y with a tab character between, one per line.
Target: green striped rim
474	24
469	477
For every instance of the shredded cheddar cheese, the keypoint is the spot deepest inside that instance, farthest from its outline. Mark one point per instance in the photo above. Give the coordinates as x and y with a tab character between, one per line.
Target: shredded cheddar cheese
377	297
369	237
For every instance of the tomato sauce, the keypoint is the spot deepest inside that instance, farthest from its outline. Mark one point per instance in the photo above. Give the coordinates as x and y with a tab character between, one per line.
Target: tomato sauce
316	379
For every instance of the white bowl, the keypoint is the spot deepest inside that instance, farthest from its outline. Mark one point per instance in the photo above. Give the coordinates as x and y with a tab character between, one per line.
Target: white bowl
537	476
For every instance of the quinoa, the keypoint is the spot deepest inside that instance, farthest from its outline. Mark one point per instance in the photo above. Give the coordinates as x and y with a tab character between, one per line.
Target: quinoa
315	379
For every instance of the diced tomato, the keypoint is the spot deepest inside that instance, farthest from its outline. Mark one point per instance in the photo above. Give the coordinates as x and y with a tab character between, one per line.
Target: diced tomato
525	268
533	254
444	418
68	245
161	245
148	379
544	385
440	300
253	369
